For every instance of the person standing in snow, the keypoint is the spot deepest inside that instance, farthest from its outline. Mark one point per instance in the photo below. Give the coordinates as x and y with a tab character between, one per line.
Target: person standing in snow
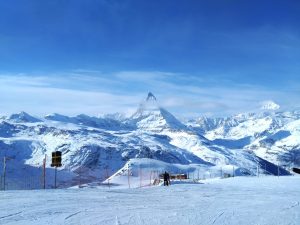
166	179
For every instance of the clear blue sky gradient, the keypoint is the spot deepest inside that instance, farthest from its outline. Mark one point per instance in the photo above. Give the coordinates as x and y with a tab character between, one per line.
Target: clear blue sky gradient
228	42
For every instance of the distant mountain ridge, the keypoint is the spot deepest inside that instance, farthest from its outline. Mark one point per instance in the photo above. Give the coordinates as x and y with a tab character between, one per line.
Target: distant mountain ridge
274	136
99	144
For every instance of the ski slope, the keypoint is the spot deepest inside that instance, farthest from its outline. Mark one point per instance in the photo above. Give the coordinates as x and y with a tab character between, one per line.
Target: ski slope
239	200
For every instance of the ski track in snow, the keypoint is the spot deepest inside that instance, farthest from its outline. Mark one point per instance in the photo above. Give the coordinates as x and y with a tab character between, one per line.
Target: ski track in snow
73	214
218	217
295	204
10	215
234	201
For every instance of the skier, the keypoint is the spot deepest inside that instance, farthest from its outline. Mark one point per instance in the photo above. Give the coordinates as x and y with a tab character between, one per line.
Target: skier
166	179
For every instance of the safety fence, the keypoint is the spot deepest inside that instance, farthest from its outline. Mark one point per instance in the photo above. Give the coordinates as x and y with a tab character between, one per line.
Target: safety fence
39	179
16	177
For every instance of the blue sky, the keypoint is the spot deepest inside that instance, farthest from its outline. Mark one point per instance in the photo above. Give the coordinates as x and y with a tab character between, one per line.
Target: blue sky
98	56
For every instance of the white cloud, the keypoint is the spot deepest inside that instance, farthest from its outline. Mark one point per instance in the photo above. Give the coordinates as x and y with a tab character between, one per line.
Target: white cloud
41	100
93	92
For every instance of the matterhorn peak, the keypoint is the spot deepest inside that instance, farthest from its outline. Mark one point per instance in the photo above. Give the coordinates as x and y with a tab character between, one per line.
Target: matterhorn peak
151	97
269	105
150	103
150	116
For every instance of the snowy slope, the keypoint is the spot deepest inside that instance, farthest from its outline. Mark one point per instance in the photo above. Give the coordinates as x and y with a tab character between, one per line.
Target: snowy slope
273	136
93	148
236	201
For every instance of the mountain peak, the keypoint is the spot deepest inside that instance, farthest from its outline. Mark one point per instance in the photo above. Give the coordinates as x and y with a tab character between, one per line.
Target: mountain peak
151	97
147	106
23	117
150	116
269	105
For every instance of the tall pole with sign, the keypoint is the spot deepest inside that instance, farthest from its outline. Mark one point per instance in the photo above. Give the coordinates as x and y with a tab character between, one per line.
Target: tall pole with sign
56	162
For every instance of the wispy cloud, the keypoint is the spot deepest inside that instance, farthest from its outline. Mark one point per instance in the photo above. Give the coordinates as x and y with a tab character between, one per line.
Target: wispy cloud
94	93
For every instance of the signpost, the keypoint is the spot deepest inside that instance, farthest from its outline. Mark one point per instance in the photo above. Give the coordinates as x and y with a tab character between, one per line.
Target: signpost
56	162
296	170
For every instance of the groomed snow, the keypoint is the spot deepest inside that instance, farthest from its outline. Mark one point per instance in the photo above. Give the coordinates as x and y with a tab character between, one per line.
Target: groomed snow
239	200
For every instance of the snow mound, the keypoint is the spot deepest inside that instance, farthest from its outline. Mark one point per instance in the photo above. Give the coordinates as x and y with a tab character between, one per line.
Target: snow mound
143	172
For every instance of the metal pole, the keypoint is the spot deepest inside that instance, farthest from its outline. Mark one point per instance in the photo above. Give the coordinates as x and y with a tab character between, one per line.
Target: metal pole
265	168
107	178
140	177
55	177
4	172
79	176
221	172
128	176
44	172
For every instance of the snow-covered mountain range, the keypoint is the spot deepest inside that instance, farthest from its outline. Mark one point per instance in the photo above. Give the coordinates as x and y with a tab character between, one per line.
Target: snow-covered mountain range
94	148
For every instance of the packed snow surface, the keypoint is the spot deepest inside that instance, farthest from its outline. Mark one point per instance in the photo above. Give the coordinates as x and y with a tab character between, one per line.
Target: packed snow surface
239	200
